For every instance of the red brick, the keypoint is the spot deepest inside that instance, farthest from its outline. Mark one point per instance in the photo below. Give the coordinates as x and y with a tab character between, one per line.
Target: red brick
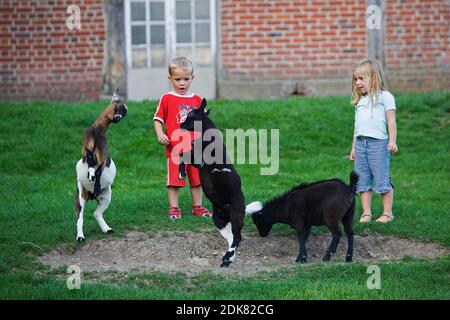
34	38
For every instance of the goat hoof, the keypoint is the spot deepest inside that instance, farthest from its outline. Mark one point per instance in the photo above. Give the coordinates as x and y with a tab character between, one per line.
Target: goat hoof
301	260
110	231
81	239
326	258
225	264
228	256
348	259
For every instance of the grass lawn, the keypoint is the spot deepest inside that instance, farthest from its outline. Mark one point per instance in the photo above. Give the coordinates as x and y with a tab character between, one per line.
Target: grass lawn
40	143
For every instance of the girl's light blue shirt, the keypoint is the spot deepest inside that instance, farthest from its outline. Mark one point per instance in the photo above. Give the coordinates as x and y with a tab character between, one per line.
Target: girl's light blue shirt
371	121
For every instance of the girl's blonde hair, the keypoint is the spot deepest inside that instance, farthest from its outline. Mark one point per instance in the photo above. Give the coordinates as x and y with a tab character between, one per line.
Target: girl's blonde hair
182	63
373	75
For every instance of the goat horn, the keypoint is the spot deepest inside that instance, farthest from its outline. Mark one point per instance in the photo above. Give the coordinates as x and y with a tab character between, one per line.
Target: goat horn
115	95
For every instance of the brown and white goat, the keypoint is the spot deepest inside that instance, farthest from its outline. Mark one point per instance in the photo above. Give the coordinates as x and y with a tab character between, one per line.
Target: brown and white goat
96	170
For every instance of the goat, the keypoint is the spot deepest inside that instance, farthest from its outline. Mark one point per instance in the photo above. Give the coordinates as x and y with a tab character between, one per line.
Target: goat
220	182
313	204
96	170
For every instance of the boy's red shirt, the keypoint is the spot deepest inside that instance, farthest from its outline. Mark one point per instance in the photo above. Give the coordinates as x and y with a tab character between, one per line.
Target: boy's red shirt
172	111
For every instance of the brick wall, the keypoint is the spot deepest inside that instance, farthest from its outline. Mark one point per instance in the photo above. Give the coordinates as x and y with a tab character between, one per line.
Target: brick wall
278	48
42	59
288	43
267	49
417	44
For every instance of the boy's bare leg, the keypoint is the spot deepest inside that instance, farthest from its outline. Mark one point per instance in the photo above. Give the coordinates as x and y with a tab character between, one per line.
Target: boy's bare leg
196	193
173	193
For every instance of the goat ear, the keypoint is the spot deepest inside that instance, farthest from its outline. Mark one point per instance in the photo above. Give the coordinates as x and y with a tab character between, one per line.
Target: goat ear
203	104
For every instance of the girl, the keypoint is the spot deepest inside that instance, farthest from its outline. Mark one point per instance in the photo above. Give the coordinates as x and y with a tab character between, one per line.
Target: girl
374	110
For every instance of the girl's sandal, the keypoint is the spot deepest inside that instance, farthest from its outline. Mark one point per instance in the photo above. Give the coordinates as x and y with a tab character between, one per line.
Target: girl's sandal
385	218
365	218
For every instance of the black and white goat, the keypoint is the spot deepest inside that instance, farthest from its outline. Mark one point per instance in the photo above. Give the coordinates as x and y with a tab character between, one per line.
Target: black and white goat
96	170
220	181
313	204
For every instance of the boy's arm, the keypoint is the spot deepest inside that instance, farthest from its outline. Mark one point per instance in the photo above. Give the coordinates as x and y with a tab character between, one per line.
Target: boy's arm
392	130
162	137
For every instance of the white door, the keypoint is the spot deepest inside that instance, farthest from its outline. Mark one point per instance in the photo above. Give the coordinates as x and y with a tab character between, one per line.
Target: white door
156	31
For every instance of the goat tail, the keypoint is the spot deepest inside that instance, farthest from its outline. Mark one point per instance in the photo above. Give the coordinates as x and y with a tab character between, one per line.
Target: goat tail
353	181
352	191
253	208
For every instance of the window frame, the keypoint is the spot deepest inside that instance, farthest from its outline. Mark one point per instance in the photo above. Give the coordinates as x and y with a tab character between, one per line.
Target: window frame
170	24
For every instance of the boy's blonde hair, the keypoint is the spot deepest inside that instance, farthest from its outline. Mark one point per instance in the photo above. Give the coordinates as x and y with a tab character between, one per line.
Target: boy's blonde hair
182	63
374	78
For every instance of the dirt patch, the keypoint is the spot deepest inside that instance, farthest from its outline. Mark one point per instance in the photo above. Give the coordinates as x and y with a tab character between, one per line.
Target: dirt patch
192	253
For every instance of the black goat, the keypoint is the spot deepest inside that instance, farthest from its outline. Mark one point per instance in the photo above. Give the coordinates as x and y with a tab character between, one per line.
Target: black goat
313	204
220	181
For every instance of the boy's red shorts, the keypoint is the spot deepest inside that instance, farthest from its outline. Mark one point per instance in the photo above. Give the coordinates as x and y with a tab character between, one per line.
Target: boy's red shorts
192	173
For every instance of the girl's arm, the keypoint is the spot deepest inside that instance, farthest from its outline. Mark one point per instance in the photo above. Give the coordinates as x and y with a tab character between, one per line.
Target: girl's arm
162	137
392	128
352	152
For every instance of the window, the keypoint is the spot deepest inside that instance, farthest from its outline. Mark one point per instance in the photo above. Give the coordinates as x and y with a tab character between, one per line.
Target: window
158	30
146	25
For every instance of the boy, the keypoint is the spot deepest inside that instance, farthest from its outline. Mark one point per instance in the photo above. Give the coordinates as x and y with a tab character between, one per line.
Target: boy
172	110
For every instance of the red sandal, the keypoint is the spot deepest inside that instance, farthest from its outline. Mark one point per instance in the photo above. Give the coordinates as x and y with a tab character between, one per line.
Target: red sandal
200	211
174	213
